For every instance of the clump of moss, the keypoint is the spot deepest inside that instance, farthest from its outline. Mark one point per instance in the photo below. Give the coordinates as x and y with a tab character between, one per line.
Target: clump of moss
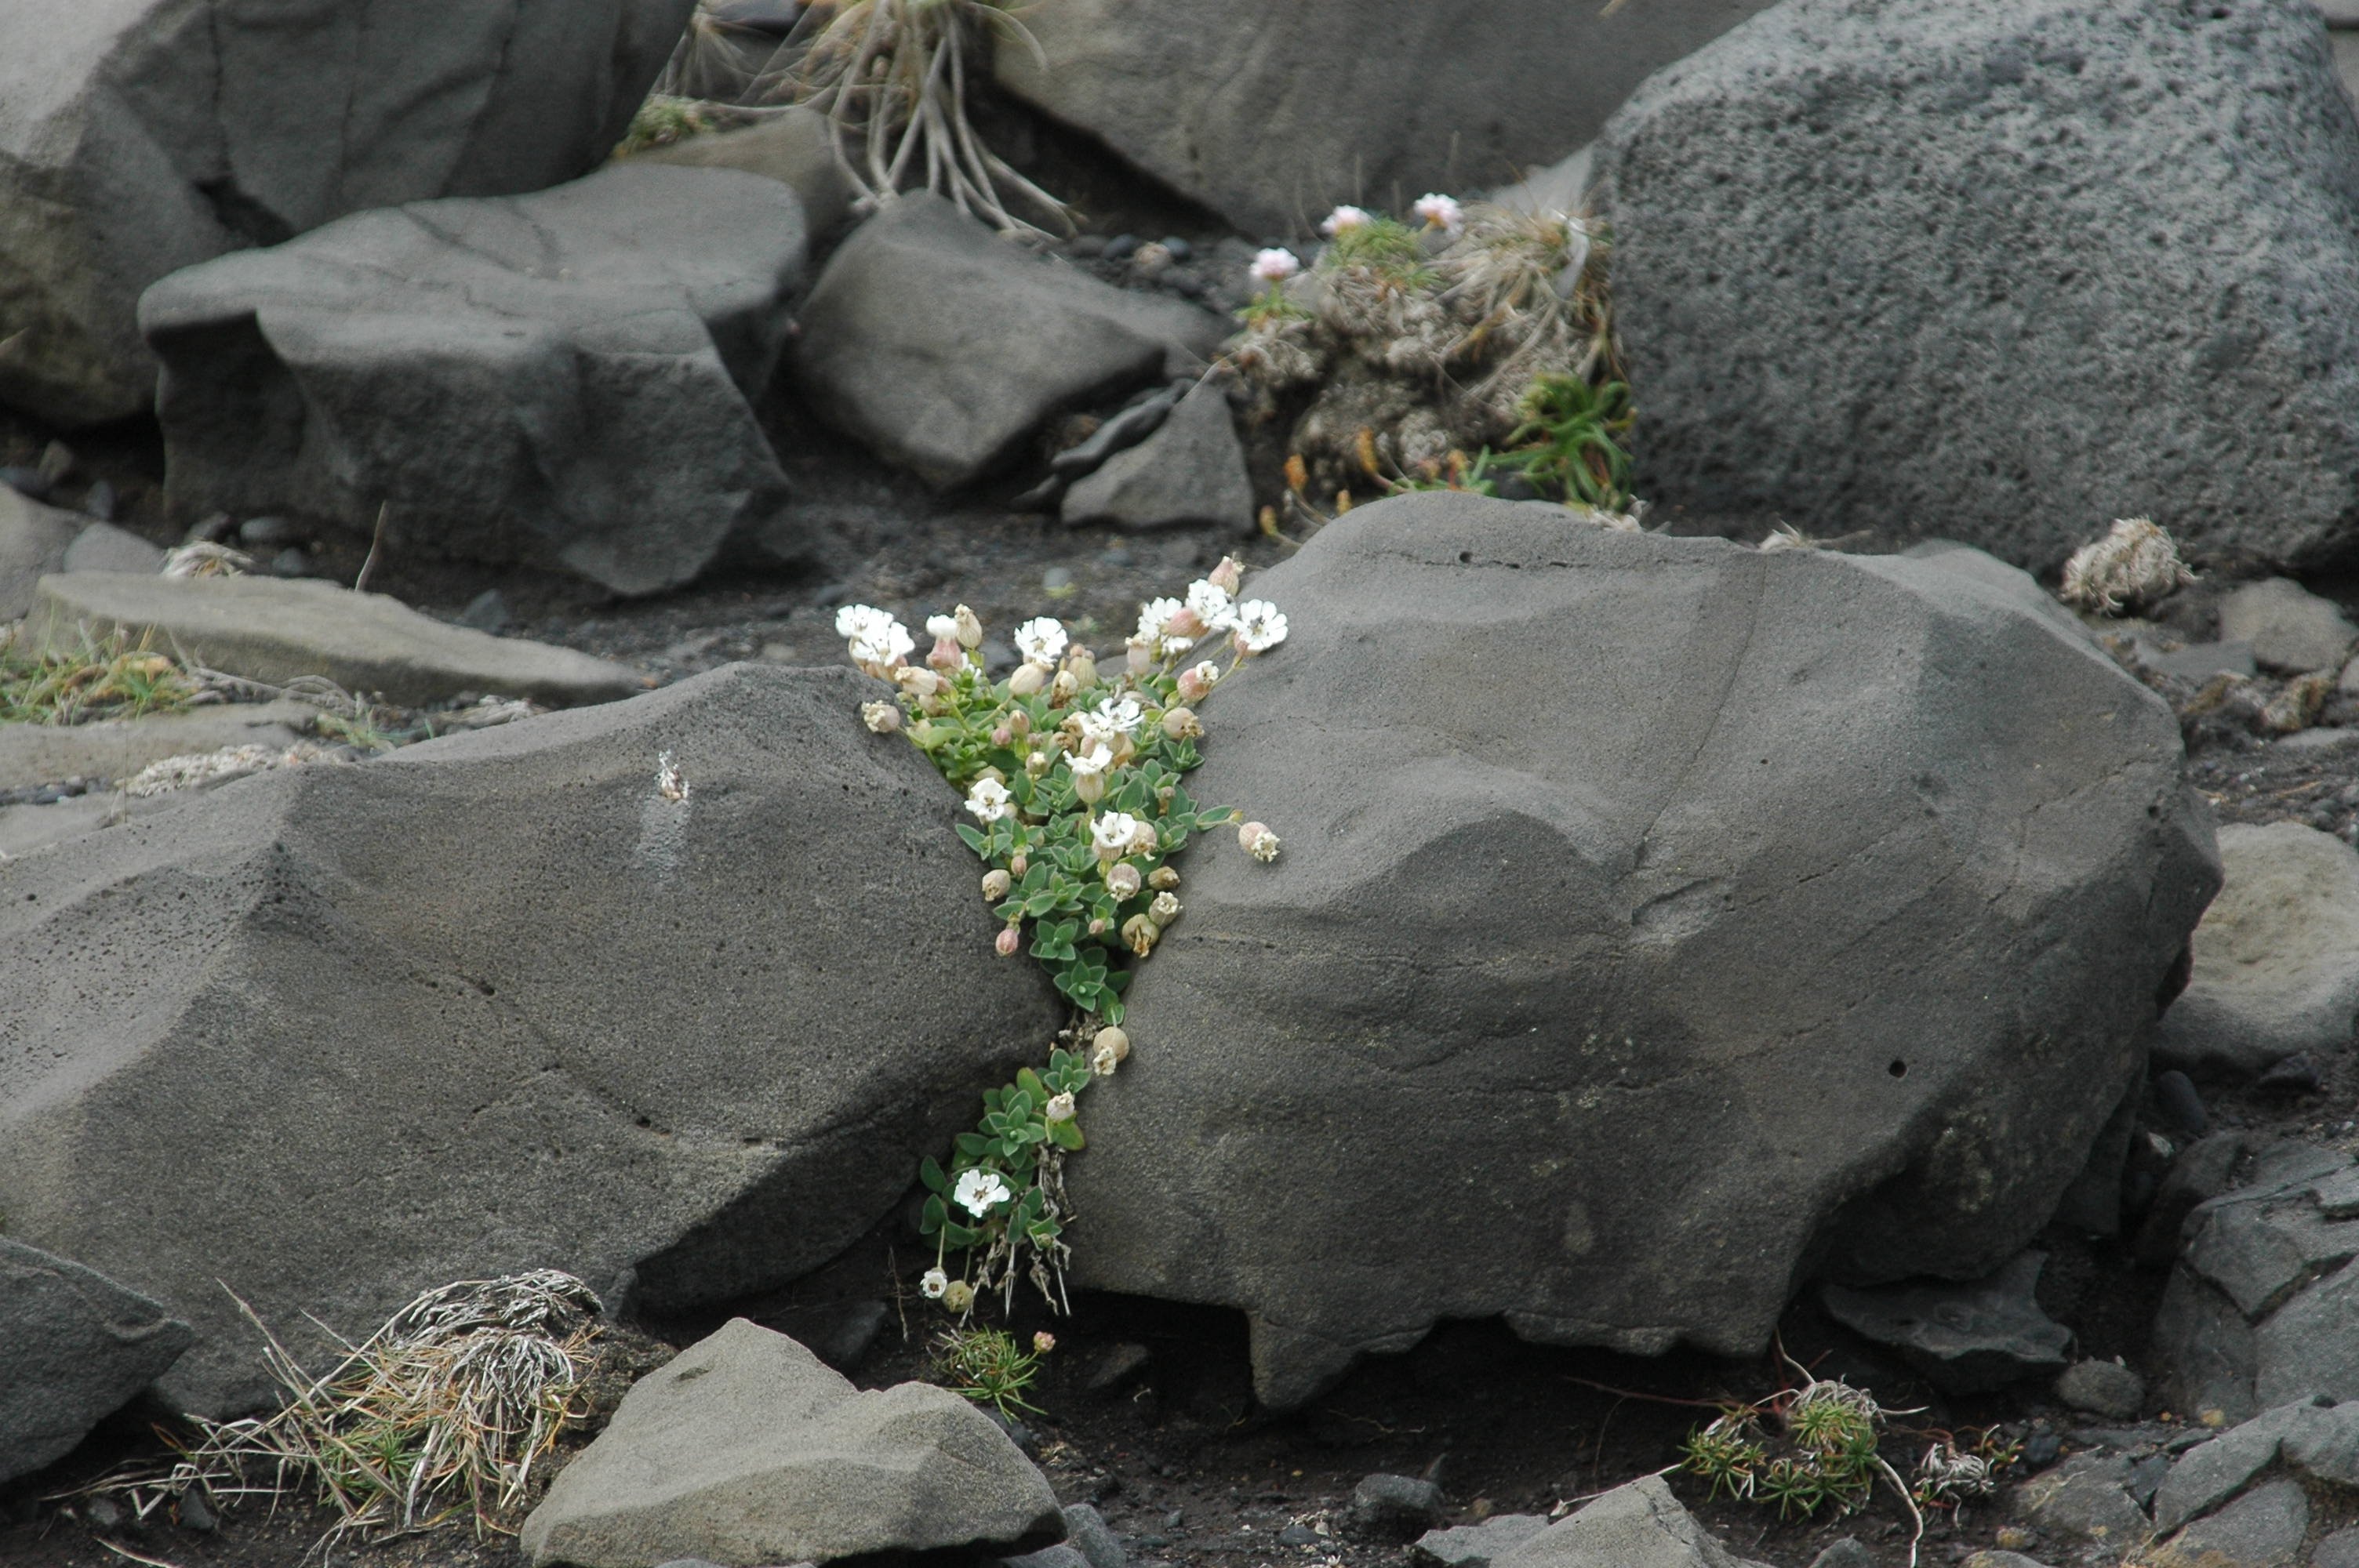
664	119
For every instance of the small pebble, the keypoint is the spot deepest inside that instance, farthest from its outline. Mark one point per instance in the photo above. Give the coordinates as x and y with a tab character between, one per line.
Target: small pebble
100	502
1056	578
292	561
2041	1449
1845	1554
2174	1092
265	532
1088	247
1180	249
1299	1535
196	1514
1176	1521
103	1513
1399	1505
1122	247
57	461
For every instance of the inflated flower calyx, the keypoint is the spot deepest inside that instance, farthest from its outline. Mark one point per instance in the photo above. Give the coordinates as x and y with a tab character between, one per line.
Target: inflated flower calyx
1164	910
1139	934
1123	880
1181	724
1027	680
1007	943
1083	666
995	884
1163	879
881	717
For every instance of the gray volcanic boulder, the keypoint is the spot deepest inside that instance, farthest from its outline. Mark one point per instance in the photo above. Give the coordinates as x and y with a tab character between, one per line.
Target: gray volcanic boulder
746	1449
1660	922
563	374
330	1036
1999	272
1270	114
942	346
74	1347
146	136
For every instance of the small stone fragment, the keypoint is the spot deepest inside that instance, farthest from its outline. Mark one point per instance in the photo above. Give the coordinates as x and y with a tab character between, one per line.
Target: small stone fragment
1964	1338
1396	1506
1476	1545
2290	628
2102	1387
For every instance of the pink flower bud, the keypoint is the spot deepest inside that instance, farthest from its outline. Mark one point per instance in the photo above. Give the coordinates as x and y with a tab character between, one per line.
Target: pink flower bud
1227	575
1185	624
1027	680
1007	943
1019	724
1043	1342
1141	657
1097	925
1003	736
947	655
1020	863
1193	684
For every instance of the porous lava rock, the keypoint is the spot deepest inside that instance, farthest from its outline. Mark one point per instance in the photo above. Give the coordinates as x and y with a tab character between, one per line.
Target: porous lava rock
1660	922
1998	273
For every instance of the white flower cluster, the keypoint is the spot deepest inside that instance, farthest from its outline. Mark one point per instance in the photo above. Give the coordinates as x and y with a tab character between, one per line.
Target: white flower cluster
879	643
1274	267
1171	626
1345	218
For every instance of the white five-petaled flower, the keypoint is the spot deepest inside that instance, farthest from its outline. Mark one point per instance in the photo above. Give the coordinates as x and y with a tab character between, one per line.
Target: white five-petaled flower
875	637
932	1283
1115	833
1040	640
1274	265
1343	218
1121	714
989	800
1259	626
1090	761
1059	1109
1154	617
980	1191
1211	604
1440	211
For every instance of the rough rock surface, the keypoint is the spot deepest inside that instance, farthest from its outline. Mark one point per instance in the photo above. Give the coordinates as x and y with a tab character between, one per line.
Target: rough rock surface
1476	1545
103	547
270	629
1192	470
2263	1528
562	375
1715	892
34	540
1966	1337
2087	1498
2262	1309
114	749
792	148
746	1449
1999	272
941	345
2287	626
147	135
74	1346
1637	1526
2102	1388
497	1002
2274	956
1271	114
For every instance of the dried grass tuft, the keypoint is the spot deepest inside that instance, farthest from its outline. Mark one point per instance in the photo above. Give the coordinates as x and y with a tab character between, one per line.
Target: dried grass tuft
445	1409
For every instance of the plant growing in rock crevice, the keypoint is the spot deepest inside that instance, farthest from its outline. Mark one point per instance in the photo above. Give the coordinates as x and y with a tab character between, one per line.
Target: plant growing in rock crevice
1406	355
1073	772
